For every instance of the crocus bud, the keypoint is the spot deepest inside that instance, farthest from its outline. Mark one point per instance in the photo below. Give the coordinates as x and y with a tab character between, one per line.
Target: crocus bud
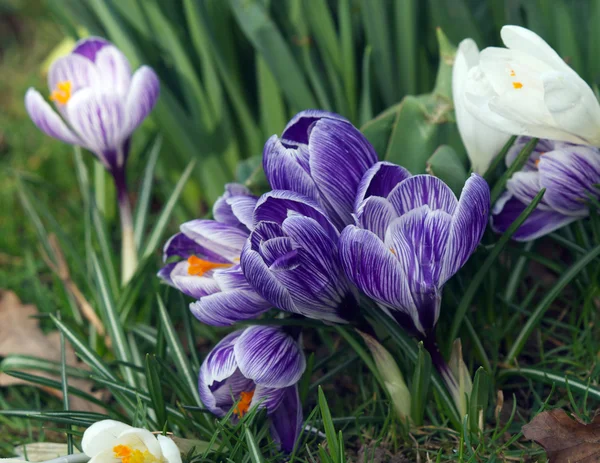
527	89
482	142
462	392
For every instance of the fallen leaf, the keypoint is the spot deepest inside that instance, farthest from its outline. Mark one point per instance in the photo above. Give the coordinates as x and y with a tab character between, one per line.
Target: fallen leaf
20	334
564	439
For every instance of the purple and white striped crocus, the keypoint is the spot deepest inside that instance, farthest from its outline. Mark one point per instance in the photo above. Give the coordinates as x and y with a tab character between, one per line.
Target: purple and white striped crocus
258	366
322	156
291	259
411	235
569	174
100	101
208	268
101	104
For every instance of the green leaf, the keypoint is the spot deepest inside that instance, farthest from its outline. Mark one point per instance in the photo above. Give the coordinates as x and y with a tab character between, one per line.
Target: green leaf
516	166
163	219
332	442
253	449
143	202
420	385
155	390
446	165
478	402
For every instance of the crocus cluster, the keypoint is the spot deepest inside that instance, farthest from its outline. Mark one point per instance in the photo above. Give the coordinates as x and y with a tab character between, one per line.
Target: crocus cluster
338	227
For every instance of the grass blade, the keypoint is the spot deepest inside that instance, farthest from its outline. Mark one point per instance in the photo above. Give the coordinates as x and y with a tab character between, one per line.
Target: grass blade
143	202
253	449
332	442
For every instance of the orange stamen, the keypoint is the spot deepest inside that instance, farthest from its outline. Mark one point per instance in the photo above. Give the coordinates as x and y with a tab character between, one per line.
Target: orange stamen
199	267
517	85
393	251
244	404
62	94
512	73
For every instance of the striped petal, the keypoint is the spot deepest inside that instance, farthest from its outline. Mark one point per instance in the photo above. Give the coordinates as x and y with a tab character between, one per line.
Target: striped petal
299	127
380	180
375	214
76	69
46	119
113	69
89	47
287	419
421	190
192	285
221	239
229	307
269	356
141	98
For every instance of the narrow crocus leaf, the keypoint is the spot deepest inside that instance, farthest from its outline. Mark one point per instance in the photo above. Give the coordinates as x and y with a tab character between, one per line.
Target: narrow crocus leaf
332	442
420	385
155	390
479	399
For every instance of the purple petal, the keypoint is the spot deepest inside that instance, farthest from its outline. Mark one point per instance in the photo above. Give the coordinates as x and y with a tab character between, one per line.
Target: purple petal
371	266
192	285
76	69
221	239
569	177
525	186
46	119
284	171
114	69
468	224
165	273
273	249
543	146
339	157
219	397
286	420
278	205
89	46
221	362
269	356
375	214
229	307
142	96
539	223
422	190
298	129
181	246
99	118
235	206
264	282
268	397
380	180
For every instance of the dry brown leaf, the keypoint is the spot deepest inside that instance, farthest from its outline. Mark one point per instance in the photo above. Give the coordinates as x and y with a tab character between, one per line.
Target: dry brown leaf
565	440
21	334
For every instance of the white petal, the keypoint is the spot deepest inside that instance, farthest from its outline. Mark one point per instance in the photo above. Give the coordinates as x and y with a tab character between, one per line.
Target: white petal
526	41
169	449
140	439
114	70
47	120
102	436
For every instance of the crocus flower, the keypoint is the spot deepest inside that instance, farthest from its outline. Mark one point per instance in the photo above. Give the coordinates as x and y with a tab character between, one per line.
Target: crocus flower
482	142
100	101
111	441
411	236
322	156
527	89
100	105
569	174
291	259
259	366
208	268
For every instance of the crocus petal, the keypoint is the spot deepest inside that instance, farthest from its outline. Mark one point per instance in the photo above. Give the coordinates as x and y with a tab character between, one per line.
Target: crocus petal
264	282
165	273
192	285
235	206
219	398
278	205
267	397
298	129
98	118
539	222
47	120
142	96
222	239
380	180
283	170
169	449
220	362
140	439
524	186
468	224
114	70
89	46
371	266
229	307
286	420
269	356
181	246
375	214
523	40
74	68
569	177
101	436
339	157
421	190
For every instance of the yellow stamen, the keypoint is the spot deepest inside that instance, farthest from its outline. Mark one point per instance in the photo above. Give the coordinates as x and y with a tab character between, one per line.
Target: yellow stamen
517	85
128	455
393	251
244	404
512	73
62	94
199	267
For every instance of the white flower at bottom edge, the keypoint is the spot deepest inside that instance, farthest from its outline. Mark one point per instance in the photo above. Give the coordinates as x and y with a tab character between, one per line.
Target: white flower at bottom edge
111	441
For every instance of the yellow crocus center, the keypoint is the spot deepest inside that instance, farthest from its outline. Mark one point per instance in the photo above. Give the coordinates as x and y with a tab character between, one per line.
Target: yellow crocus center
128	455
517	85
243	405
199	267
62	93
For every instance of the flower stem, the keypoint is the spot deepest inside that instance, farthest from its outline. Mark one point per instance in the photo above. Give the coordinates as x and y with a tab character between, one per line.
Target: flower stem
442	367
129	259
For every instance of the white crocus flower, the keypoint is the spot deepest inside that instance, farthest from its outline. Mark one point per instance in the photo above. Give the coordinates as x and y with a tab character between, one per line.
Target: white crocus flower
527	89
110	441
482	142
